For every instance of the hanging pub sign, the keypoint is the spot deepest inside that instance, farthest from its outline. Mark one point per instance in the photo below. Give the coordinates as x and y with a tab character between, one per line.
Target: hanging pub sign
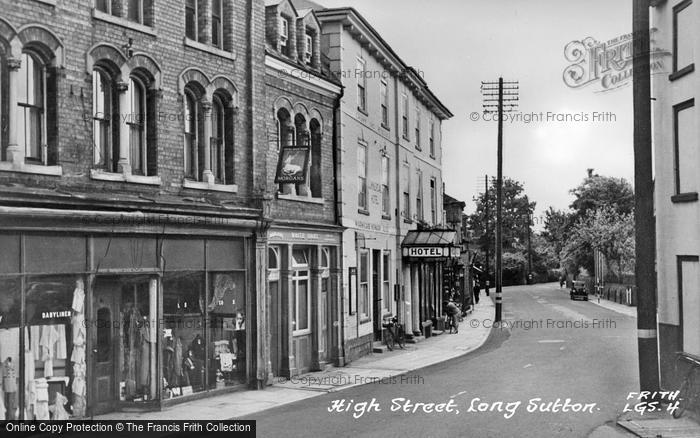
292	165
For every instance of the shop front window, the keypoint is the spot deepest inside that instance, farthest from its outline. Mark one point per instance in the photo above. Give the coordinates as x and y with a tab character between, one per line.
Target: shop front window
54	351
10	302
183	333
227	329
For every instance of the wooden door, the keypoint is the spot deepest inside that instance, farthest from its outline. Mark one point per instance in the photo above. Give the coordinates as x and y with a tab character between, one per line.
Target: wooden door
105	341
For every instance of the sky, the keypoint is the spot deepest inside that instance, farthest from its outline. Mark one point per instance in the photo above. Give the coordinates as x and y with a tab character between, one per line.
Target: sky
457	44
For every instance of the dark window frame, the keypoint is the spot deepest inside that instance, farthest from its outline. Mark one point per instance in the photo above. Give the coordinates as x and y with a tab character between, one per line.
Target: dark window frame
690	103
679	273
676	73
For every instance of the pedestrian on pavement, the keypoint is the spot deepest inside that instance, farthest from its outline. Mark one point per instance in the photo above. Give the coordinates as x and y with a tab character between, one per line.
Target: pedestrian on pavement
477	291
453	315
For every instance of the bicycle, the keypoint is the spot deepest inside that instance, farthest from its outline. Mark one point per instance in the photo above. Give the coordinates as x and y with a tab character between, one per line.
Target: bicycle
395	334
688	394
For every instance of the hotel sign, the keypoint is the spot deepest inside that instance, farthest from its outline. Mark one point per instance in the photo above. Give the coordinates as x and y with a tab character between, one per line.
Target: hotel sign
426	251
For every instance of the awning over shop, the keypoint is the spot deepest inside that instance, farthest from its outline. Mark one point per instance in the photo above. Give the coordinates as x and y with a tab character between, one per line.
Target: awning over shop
430	244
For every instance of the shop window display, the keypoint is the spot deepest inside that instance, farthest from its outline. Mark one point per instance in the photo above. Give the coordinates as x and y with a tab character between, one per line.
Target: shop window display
184	347
227	315
10	305
54	348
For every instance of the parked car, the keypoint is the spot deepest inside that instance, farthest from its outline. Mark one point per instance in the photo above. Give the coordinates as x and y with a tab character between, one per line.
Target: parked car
578	290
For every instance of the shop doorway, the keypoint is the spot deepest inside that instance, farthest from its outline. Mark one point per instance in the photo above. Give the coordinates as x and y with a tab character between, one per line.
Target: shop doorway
302	334
276	321
324	341
123	343
376	293
104	347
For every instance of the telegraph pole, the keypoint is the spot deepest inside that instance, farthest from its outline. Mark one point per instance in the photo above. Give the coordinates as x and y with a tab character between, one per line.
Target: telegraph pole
645	232
498	90
488	240
529	242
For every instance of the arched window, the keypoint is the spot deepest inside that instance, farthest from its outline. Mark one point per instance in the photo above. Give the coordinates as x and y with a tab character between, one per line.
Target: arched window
315	169
105	134
137	127
302	140
218	143
32	103
192	169
284	131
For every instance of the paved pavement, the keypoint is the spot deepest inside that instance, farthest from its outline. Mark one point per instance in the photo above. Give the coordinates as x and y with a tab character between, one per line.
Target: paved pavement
374	368
549	349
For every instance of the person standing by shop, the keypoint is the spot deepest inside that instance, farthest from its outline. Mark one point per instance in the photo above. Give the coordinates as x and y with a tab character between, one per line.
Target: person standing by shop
452	312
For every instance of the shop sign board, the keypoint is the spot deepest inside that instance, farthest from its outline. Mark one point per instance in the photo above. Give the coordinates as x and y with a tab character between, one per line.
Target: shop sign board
426	251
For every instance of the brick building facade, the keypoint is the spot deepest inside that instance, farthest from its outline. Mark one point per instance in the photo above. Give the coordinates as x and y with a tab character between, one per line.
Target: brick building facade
131	201
304	237
181	208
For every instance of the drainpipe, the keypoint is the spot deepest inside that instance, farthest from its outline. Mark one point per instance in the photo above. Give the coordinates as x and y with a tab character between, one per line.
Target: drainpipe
337	220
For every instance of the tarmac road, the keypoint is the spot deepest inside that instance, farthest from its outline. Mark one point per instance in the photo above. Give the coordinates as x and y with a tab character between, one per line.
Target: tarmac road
548	350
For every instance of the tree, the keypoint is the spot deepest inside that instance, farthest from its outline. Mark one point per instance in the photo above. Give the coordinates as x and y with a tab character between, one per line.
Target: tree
557	224
517	210
605	230
600	219
596	192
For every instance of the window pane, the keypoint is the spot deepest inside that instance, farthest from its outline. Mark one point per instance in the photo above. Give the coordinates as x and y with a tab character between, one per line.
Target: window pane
101	93
34	116
191	19
272	262
687	151
303	309
183	331
227	310
10	308
684	32
134	11
103	5
136	120
364	272
387	267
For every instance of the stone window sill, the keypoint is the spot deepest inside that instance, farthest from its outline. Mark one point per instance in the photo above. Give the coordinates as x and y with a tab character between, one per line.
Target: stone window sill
36	169
363	211
200	185
209	49
47	2
298	198
684	197
386	217
682	72
101	175
119	21
407	221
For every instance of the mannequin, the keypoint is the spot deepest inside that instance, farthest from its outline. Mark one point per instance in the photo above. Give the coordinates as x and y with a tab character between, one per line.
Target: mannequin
9	386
